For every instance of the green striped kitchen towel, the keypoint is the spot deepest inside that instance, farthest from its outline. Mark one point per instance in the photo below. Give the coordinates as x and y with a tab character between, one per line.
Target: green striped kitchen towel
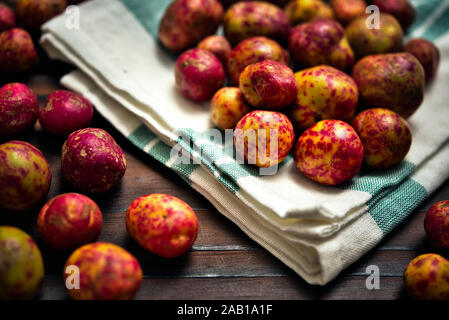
315	230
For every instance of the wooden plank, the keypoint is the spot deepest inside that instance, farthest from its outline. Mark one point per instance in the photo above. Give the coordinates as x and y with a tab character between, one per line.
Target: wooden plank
218	233
278	288
240	263
224	252
195	264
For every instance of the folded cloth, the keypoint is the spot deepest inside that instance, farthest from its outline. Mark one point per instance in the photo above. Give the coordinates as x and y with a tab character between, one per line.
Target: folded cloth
315	230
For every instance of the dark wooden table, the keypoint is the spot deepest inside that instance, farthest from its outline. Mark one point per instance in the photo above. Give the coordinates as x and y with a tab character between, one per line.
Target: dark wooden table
224	263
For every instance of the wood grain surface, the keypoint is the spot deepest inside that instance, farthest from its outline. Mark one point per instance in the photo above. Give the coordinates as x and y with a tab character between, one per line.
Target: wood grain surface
224	263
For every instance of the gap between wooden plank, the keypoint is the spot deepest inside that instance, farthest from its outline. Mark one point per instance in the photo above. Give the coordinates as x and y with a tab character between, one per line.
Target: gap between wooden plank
258	248
226	248
244	276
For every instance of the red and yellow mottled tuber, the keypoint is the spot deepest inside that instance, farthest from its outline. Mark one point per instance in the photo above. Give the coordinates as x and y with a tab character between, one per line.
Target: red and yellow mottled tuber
186	22
218	45
268	84
329	153
227	107
248	19
427	54
264	138
348	10
162	224
251	51
21	265
279	3
323	93
199	74
65	112
7	18
300	11
394	81
365	41
25	176
19	109
106	272
385	135
92	161
31	14
436	224
427	277
402	10
69	220
320	42
17	52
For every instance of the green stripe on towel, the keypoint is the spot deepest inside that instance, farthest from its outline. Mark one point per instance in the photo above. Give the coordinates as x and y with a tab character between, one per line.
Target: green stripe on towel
390	211
424	9
148	12
373	181
439	26
141	137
